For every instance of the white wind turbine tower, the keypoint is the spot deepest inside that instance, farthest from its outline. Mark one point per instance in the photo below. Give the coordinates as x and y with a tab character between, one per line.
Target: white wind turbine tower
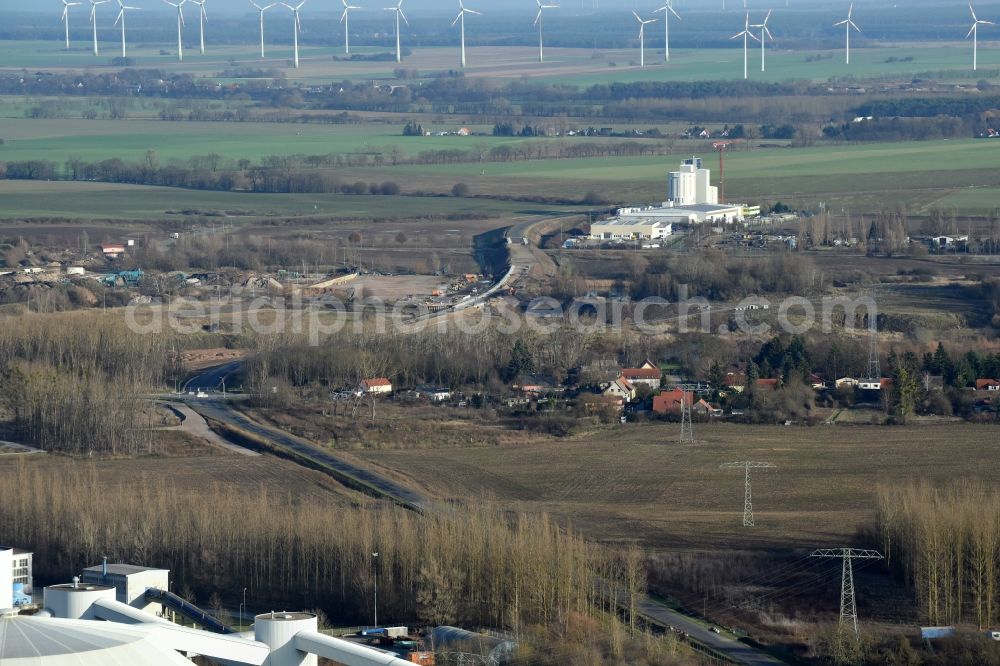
848	23
538	22
667	10
202	19
121	19
973	32
93	19
642	37
347	32
399	14
746	35
261	10
462	11
764	35
180	23
297	27
65	18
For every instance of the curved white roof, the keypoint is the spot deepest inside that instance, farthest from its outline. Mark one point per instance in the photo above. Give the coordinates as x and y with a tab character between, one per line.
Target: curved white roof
39	641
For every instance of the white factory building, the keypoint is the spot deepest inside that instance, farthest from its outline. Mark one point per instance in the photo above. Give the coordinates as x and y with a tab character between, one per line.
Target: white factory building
691	199
691	185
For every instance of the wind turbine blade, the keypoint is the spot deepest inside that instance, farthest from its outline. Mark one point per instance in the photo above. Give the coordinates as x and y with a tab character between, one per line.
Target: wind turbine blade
738	35
538	15
636	17
402	15
768	16
344	15
301	4
674	12
850	11
753	36
854	25
289	6
839	23
457	17
768	32
973	12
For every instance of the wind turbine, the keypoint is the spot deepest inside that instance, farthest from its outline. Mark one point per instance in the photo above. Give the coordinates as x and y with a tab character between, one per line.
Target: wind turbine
642	37
65	18
764	34
202	19
973	32
262	10
121	19
538	22
462	11
93	19
347	32
746	35
667	10
297	27
399	14
848	23
180	23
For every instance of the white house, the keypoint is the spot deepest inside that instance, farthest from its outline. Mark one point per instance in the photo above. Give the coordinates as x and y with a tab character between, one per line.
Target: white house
376	385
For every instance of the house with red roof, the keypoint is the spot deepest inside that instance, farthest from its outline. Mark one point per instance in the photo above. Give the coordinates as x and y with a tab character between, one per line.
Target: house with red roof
376	385
669	402
648	374
988	385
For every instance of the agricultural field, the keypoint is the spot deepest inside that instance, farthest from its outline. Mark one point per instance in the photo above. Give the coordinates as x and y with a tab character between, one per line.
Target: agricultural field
83	200
637	484
571	66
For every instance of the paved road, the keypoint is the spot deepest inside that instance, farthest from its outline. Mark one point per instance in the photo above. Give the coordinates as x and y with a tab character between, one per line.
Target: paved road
740	652
195	424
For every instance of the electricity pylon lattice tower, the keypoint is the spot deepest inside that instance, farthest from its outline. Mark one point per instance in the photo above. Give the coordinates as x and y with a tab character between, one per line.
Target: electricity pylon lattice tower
747	465
687	430
874	372
848	607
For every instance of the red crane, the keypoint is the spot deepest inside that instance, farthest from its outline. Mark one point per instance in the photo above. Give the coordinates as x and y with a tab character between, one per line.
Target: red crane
721	147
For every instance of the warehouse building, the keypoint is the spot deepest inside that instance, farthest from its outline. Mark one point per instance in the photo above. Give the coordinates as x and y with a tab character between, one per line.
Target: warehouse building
130	582
631	227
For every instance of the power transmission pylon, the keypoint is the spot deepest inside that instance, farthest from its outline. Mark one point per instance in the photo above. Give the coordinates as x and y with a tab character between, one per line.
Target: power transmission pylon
874	372
848	608
687	430
747	465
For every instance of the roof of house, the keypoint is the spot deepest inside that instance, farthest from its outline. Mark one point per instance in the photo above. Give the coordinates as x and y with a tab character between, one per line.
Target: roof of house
377	381
764	382
641	373
983	383
669	400
735	379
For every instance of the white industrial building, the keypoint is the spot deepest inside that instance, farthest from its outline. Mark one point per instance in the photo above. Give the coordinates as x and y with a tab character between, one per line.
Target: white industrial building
691	185
84	625
15	577
130	582
634	227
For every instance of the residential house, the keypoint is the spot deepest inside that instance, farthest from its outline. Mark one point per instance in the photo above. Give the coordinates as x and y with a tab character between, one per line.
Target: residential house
844	382
989	385
735	381
621	387
537	384
647	374
817	382
765	384
112	250
376	385
669	402
874	384
704	408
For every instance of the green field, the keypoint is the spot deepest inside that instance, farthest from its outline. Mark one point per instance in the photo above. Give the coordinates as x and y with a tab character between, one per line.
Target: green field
94	140
582	66
19	199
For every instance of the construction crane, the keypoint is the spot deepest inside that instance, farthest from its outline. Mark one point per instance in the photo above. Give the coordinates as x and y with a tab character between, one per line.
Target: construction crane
721	146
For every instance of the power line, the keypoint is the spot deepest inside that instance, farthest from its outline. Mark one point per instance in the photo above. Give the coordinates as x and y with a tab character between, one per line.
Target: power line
746	465
687	430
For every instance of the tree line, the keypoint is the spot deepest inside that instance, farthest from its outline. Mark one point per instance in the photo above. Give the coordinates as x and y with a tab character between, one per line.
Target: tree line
483	566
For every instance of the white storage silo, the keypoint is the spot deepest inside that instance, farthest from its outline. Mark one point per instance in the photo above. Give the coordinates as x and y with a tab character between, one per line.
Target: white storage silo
74	601
277	630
